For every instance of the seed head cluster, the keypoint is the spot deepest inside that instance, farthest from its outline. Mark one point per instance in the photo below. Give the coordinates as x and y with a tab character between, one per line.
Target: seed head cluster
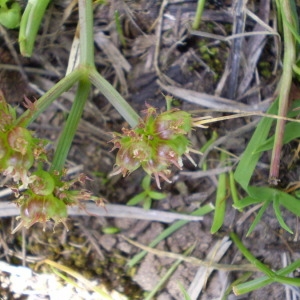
45	195
157	143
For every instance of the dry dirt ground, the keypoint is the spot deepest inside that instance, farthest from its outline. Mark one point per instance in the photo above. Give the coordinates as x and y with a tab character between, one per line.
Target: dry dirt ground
160	55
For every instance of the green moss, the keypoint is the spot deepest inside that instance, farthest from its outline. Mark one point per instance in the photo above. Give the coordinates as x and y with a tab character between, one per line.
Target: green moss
265	69
76	254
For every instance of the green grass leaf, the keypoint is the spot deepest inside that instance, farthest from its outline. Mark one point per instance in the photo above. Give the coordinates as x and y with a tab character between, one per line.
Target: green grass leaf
268	195
291	132
146	182
258	217
136	199
249	159
247	201
286	200
220	205
264	193
279	216
156	195
233	189
261	282
212	139
184	292
110	230
290	202
270	274
147	203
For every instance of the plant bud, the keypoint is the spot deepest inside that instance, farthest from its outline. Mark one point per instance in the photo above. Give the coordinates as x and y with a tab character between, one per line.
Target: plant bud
172	123
42	208
43	183
167	155
19	139
141	151
158	169
131	154
17	166
126	161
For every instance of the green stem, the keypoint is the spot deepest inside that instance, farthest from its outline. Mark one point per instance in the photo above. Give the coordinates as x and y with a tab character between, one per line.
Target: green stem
261	282
285	85
199	12
272	276
85	73
86	33
87	59
86	64
42	104
30	24
68	133
259	265
120	104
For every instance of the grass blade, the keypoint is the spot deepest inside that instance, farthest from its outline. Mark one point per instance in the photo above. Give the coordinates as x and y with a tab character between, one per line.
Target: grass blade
261	282
186	296
291	132
273	276
156	195
247	201
258	217
253	260
220	200
279	216
233	189
249	159
289	202
136	199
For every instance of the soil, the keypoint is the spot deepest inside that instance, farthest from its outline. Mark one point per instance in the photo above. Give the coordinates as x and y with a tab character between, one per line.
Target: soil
185	60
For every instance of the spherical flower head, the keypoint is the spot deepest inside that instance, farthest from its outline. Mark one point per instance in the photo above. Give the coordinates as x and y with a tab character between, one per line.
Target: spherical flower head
132	152
18	149
48	196
157	143
35	208
126	162
18	152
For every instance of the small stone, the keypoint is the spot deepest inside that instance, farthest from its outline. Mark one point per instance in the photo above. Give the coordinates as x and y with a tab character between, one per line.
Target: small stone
108	242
